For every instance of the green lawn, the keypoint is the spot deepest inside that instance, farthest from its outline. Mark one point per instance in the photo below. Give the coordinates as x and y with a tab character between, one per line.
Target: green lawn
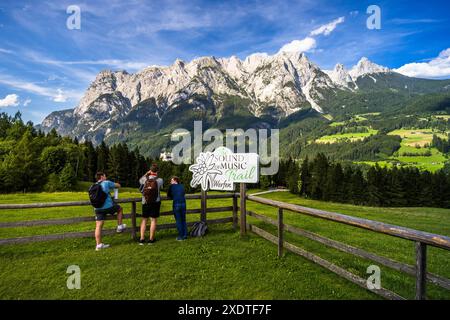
420	137
337	124
415	142
346	136
442	116
219	266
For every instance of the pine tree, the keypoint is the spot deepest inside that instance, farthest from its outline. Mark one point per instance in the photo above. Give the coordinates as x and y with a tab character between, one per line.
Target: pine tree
374	186
53	159
22	169
293	177
334	183
67	178
113	164
358	187
394	194
102	157
305	178
319	174
91	161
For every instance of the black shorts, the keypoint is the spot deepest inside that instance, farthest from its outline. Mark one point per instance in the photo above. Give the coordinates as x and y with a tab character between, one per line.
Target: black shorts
151	210
100	214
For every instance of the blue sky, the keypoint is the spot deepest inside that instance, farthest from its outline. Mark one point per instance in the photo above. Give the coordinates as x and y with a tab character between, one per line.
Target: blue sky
44	66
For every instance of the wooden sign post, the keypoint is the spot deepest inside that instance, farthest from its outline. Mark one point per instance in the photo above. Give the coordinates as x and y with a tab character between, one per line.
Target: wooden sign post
203	206
221	170
243	196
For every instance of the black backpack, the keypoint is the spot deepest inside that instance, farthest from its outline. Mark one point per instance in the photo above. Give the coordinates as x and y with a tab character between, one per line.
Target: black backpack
97	196
199	229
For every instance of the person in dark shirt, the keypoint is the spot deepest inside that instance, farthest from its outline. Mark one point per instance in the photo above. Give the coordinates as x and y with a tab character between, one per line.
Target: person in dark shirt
177	194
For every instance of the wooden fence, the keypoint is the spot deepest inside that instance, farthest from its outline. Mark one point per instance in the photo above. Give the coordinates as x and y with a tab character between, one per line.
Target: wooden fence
421	239
203	210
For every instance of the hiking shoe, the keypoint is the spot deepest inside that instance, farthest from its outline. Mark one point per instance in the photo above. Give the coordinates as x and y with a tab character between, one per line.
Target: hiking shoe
101	246
121	227
141	242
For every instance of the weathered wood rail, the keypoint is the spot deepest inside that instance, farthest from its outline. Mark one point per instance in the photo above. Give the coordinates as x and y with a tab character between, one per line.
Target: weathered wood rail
420	238
203	210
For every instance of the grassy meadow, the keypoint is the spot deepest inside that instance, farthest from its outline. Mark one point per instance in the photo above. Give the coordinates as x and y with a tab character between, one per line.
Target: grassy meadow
346	136
412	150
222	265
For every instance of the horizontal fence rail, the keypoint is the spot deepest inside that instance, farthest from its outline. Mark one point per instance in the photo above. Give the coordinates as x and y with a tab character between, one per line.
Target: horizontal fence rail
84	234
422	240
203	210
87	203
435	240
52	222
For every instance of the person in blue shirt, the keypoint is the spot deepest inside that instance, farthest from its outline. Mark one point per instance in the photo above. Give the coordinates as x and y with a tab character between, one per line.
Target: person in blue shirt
177	194
109	207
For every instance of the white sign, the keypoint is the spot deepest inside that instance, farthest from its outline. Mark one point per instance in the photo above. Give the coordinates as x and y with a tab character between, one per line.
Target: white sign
221	169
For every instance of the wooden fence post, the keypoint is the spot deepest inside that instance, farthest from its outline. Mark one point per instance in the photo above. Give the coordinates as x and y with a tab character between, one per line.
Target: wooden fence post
133	220
203	206
243	196
421	270
280	232
235	213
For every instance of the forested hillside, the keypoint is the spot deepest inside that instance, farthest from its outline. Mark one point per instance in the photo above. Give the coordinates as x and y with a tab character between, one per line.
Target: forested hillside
33	161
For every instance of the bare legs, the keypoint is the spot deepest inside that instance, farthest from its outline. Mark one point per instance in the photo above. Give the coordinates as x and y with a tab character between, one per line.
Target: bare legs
152	228
143	226
98	231
119	216
99	225
153	223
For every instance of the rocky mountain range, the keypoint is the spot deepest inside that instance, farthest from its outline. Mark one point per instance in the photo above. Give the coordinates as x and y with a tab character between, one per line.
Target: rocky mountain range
262	88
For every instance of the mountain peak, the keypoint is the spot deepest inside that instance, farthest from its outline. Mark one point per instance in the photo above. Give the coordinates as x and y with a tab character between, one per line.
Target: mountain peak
341	76
178	62
365	66
339	67
269	85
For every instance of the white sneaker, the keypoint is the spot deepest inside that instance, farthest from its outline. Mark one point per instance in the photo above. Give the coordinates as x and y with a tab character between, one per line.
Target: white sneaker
101	246
121	227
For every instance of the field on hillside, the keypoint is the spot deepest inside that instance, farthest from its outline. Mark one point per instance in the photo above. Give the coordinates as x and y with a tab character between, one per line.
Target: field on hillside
354	136
414	151
417	137
218	266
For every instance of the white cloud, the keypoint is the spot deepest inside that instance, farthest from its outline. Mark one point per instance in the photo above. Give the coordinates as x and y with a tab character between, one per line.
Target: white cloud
56	95
60	97
308	44
413	21
326	29
303	45
11	100
438	67
5	51
115	63
26	102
